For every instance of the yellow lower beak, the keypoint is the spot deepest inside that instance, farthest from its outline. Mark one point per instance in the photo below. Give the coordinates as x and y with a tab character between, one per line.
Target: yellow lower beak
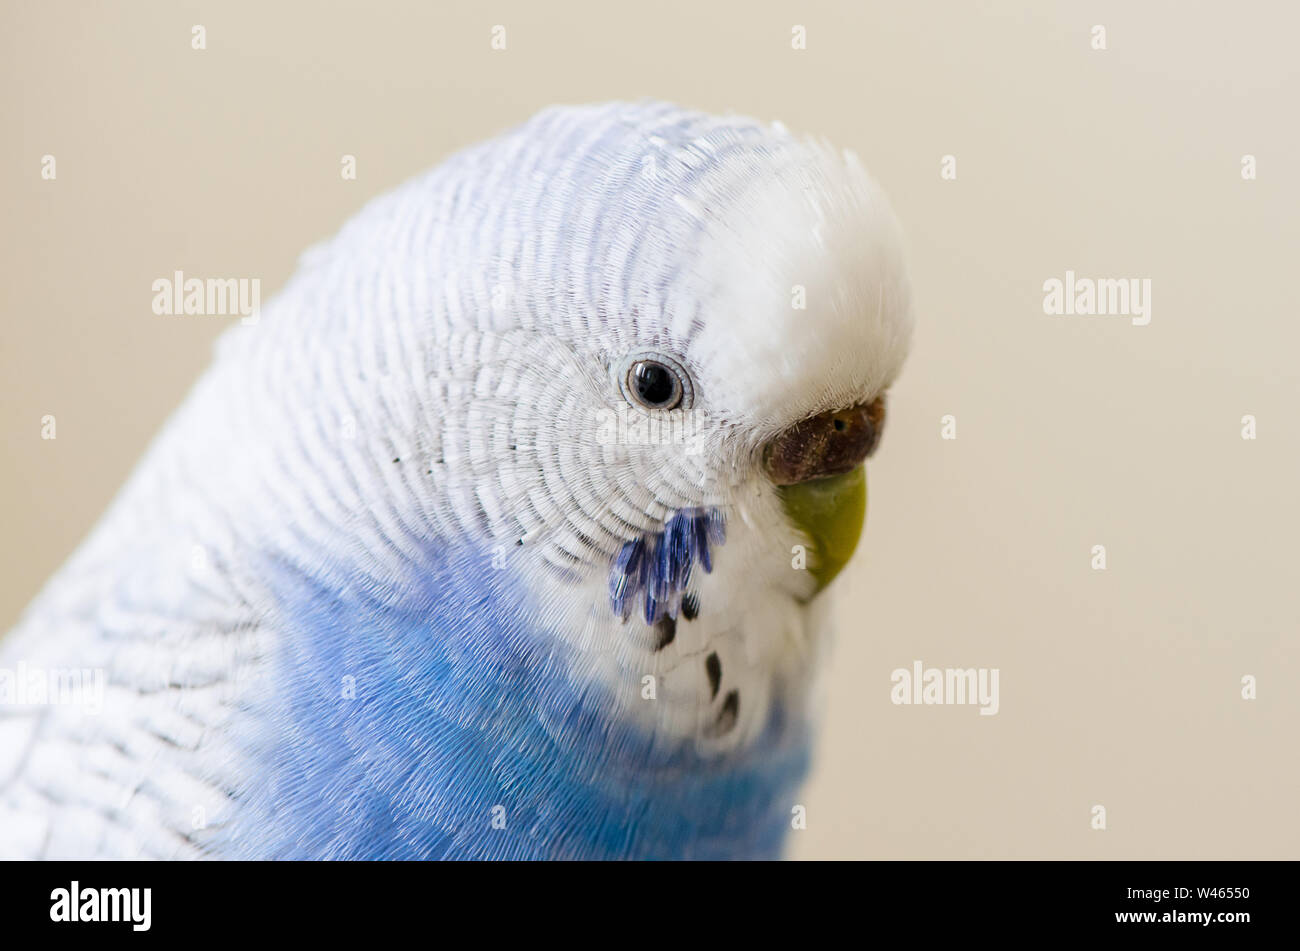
831	513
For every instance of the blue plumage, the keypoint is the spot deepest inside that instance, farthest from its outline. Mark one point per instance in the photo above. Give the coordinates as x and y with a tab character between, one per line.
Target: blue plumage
465	711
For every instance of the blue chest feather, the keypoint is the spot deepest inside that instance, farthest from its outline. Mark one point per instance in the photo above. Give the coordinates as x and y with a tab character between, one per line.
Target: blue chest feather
443	721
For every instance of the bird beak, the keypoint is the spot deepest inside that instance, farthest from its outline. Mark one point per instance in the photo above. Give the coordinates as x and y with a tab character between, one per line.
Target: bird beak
817	466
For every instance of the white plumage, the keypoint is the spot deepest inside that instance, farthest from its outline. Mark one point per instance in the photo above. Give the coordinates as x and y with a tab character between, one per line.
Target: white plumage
441	370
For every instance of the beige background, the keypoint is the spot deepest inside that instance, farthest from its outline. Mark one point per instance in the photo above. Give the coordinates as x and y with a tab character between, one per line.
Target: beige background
1119	687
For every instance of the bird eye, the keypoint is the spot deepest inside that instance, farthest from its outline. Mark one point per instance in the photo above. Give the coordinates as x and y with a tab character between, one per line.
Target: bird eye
655	381
654	385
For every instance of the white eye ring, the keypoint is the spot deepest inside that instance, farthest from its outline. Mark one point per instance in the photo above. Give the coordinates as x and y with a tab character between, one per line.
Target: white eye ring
654	381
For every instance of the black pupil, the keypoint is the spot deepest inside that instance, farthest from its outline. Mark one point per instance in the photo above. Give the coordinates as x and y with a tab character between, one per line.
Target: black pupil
654	383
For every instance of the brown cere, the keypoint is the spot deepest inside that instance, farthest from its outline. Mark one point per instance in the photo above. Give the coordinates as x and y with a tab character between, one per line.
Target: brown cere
829	444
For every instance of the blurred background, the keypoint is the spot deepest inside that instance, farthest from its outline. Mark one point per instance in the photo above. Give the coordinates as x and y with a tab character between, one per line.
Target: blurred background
1119	687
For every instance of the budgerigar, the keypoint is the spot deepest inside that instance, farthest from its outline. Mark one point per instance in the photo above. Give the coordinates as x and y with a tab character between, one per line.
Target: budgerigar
499	533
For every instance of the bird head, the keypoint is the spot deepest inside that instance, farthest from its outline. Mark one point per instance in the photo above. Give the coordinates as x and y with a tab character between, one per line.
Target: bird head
717	309
640	352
